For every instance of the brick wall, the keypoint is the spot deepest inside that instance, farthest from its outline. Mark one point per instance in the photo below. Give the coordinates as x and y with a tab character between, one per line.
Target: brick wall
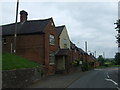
28	46
50	29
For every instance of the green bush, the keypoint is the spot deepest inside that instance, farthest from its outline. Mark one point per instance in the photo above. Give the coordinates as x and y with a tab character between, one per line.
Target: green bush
84	66
75	63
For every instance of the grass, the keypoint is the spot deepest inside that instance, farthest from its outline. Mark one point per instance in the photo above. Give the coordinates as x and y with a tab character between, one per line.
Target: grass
0	61
108	66
114	65
12	61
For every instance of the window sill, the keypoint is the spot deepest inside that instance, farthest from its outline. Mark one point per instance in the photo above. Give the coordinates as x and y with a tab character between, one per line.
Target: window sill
52	44
52	64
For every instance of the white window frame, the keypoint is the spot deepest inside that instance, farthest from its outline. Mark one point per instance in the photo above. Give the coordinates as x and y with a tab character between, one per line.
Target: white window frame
52	38
52	57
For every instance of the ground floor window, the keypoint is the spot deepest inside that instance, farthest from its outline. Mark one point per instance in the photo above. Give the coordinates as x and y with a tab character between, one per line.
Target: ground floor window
52	57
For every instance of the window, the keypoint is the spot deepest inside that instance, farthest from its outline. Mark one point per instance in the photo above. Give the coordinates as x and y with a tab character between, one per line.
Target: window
52	41
52	57
65	43
52	24
4	41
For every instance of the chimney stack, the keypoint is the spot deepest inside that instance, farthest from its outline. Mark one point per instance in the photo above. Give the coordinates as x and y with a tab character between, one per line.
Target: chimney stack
23	16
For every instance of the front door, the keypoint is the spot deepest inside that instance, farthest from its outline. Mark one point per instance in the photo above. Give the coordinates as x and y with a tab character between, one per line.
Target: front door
60	63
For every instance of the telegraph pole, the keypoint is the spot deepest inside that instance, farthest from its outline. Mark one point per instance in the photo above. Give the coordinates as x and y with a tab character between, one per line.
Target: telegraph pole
104	55
95	54
86	54
86	46
15	34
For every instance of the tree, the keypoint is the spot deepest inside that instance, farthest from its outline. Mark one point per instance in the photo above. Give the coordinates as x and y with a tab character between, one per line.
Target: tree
101	60
117	58
118	35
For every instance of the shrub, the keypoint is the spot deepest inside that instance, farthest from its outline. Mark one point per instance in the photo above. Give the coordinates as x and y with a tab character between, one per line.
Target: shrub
84	66
75	63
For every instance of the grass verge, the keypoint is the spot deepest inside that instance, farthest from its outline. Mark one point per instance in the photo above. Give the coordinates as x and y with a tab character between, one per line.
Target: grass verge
108	66
12	61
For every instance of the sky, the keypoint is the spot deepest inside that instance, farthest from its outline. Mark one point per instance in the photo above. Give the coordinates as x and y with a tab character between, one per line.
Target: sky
89	21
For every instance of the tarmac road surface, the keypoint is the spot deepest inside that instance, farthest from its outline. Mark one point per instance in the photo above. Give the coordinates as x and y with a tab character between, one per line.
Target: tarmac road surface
99	78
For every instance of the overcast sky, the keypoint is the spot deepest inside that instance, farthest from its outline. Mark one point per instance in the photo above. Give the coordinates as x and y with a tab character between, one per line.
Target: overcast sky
85	21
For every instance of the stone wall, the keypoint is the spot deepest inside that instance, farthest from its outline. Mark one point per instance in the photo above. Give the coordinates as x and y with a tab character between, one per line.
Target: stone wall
20	78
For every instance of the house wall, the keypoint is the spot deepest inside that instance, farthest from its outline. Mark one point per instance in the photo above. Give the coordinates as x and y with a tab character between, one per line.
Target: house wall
36	47
75	55
64	35
60	63
32	48
27	46
50	29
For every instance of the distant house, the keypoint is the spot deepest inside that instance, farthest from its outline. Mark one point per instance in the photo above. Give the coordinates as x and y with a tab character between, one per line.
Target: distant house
63	55
36	40
82	54
92	61
75	53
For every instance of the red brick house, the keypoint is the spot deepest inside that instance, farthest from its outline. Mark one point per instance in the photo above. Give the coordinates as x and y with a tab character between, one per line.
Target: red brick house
75	52
92	61
41	41
36	40
81	54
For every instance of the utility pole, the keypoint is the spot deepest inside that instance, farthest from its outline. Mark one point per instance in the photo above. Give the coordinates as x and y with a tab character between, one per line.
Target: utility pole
86	54
15	34
86	46
95	54
104	55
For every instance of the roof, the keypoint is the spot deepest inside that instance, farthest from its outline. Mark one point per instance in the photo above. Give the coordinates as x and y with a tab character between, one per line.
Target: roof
81	51
59	29
72	45
93	57
27	27
62	52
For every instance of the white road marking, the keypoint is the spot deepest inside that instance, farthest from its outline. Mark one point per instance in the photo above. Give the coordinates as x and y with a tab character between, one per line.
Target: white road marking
108	75
111	81
118	88
108	79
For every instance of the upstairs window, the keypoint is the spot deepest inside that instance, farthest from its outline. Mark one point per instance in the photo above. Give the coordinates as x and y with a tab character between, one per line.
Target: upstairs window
52	24
52	41
65	43
52	57
4	41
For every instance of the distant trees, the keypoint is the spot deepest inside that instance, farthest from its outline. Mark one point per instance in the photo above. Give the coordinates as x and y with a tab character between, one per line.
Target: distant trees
117	58
101	60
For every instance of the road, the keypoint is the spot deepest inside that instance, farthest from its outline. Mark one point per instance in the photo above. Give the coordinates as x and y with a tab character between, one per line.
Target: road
99	78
